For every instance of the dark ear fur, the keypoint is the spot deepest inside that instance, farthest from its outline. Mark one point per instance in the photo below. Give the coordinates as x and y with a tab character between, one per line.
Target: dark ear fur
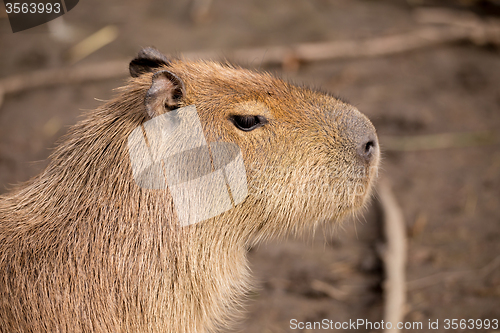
165	93
148	60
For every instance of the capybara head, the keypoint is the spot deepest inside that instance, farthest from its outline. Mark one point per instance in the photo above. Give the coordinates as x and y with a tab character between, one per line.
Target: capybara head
308	156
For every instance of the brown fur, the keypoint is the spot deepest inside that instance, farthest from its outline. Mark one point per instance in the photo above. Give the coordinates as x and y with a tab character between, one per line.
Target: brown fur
84	249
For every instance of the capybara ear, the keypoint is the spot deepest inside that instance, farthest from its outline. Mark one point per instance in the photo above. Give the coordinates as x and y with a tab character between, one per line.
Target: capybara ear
148	60
165	93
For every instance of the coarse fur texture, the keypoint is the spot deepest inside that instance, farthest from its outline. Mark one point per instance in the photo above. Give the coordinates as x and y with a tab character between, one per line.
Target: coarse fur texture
84	249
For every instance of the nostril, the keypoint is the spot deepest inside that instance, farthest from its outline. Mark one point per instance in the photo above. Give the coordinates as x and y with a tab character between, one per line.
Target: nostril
369	146
367	149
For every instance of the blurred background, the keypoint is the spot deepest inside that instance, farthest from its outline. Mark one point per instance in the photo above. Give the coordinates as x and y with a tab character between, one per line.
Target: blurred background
432	92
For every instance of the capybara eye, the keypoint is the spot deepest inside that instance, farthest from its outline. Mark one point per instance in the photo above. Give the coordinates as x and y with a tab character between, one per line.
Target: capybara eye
248	123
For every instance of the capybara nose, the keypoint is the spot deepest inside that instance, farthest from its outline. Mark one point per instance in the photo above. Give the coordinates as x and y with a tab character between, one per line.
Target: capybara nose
368	147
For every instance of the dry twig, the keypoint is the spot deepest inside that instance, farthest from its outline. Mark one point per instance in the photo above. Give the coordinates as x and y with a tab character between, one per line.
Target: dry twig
394	257
51	77
330	290
439	141
458	275
93	43
481	31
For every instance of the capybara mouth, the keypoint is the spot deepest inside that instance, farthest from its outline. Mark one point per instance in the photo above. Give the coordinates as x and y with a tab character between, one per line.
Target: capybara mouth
365	189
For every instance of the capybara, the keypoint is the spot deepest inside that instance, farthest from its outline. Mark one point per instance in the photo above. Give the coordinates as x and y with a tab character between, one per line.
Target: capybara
90	246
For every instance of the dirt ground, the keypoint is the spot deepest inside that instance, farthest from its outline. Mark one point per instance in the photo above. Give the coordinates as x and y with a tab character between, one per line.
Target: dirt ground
450	197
